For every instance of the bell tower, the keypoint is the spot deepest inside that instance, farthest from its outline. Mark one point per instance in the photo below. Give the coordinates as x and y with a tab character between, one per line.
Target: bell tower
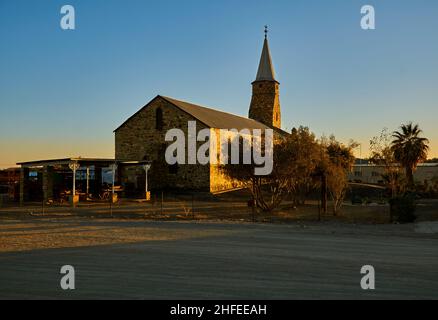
265	102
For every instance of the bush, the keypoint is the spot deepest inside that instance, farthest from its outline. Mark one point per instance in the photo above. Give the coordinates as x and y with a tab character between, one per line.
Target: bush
403	208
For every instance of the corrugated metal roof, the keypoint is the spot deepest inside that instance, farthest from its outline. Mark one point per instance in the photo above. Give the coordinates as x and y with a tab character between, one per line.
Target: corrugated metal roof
210	117
81	161
66	161
216	119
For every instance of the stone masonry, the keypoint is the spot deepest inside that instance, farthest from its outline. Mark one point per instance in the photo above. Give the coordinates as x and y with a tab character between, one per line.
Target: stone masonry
265	103
139	139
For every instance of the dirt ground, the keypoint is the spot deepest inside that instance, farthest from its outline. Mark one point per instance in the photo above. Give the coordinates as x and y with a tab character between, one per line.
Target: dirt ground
141	259
219	209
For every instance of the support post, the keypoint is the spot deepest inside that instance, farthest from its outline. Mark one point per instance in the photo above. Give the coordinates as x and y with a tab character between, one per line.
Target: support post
21	187
88	181
146	168
47	183
113	170
24	178
74	166
23	173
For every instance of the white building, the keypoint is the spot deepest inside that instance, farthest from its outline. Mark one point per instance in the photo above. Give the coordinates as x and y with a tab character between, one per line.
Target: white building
369	173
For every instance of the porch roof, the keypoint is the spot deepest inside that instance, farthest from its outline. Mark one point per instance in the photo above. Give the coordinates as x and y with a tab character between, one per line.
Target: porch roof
103	162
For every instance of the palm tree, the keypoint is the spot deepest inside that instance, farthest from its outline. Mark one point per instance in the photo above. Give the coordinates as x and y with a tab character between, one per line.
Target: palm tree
409	149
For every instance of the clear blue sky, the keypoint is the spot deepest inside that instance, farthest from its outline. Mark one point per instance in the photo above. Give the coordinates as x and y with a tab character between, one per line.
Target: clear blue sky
63	92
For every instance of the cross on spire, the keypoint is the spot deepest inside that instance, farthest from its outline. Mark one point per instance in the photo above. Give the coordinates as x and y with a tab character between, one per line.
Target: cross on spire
266	32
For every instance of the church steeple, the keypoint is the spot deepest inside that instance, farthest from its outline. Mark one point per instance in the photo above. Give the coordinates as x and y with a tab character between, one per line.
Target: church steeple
266	69
265	102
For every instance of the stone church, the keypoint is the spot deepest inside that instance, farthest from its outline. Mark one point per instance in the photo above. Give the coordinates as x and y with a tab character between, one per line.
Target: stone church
142	136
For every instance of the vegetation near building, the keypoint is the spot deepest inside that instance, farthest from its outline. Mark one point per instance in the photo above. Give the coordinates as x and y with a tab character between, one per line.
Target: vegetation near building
302	165
410	149
404	149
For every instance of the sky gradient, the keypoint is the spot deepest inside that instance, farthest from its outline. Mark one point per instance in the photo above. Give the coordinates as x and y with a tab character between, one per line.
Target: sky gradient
62	93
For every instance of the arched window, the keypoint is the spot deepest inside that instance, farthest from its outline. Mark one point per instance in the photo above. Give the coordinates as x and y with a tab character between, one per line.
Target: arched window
159	119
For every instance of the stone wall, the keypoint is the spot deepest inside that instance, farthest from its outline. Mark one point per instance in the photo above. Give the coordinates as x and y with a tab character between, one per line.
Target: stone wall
265	103
139	139
219	180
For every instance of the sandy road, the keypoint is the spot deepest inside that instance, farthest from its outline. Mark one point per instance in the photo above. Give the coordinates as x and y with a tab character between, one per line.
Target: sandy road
176	260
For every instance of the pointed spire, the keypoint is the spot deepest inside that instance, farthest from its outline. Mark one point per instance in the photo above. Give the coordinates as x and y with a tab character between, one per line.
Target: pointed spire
266	69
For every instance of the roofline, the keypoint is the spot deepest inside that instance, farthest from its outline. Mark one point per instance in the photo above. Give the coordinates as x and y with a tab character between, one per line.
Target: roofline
141	109
86	160
63	160
280	130
42	161
150	102
173	104
210	108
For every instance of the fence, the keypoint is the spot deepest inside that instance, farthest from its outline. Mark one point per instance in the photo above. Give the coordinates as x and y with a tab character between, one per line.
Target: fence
192	206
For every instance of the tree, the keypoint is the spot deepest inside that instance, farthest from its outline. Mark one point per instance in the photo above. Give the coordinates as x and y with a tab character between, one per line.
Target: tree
322	171
341	160
267	191
301	163
409	149
382	155
337	185
302	151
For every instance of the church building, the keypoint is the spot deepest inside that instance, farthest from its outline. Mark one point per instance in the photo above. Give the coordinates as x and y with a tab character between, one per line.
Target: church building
142	136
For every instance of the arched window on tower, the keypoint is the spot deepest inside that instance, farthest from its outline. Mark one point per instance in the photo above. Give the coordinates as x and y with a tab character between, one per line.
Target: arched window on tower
159	119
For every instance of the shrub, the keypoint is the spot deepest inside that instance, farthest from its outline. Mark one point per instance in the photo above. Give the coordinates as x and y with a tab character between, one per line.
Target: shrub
403	208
